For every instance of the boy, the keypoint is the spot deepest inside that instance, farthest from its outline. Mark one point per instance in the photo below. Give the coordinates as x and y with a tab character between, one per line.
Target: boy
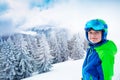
99	61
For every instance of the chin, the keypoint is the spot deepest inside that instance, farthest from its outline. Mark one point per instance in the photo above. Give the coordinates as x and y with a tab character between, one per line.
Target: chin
94	42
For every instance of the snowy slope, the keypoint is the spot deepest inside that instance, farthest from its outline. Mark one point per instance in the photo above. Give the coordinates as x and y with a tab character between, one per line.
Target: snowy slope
69	70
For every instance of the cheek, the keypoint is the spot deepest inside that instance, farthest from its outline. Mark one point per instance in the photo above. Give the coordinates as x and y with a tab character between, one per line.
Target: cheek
90	37
99	37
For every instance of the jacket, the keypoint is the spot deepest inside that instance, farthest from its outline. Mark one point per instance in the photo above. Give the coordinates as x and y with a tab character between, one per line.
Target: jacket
99	61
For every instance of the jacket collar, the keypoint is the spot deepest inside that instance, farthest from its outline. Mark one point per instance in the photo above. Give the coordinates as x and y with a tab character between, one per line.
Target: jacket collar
92	45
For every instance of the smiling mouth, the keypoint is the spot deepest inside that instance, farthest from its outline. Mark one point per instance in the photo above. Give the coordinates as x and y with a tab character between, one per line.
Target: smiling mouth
94	38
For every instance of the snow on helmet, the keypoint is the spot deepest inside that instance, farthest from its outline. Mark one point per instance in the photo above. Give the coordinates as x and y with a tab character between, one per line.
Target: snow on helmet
97	25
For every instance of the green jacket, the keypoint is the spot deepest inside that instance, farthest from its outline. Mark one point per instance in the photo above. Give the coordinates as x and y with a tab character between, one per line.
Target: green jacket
99	61
107	53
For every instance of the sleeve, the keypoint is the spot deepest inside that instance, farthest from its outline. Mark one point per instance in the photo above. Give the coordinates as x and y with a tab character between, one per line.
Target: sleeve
107	66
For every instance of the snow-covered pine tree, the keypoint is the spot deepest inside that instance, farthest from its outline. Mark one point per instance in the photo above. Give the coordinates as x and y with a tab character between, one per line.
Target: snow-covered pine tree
7	60
54	49
23	62
62	45
31	47
76	47
31	44
43	56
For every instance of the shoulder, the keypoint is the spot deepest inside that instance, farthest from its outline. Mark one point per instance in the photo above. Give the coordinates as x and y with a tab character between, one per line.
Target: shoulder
109	44
109	47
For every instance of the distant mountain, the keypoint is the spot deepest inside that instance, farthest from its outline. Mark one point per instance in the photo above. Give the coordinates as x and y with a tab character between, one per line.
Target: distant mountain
46	29
40	29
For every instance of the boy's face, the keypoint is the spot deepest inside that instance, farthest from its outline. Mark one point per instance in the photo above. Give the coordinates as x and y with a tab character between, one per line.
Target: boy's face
95	36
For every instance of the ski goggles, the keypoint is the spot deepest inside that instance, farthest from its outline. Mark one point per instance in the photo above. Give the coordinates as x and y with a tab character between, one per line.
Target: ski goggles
95	25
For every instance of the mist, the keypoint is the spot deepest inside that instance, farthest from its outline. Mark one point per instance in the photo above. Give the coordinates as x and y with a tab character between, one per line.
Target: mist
69	14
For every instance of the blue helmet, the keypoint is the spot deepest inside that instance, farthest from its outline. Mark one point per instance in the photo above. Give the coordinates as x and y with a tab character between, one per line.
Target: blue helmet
97	25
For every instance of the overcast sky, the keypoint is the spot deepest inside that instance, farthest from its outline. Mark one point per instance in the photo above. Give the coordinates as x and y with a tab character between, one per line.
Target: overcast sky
70	14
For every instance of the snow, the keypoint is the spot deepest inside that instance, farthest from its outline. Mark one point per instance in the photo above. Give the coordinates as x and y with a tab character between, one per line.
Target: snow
69	70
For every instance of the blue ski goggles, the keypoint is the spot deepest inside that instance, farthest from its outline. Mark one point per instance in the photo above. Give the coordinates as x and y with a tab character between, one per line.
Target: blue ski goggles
95	25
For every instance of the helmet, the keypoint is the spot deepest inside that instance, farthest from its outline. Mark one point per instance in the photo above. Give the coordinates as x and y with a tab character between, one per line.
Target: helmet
97	25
